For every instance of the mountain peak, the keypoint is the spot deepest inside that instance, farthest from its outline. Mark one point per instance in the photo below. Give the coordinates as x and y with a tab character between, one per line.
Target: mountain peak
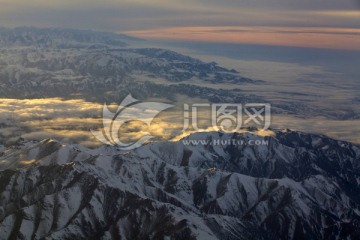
59	37
293	184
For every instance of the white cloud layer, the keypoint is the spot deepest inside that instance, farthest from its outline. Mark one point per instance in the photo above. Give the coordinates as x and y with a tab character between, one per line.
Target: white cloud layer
71	120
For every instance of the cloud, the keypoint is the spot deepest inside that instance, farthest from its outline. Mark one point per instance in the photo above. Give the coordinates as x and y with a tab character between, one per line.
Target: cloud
280	4
342	130
144	14
341	14
65	120
70	121
333	38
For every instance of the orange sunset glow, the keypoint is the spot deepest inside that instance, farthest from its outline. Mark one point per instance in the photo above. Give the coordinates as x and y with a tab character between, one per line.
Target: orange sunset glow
333	38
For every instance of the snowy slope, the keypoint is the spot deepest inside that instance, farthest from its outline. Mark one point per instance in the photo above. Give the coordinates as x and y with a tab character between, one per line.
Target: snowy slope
100	66
299	186
96	65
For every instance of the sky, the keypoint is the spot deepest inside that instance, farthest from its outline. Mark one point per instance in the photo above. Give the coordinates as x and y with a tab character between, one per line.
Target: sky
305	23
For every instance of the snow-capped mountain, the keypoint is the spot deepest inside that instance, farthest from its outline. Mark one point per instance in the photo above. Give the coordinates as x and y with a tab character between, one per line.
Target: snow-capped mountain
100	66
97	66
205	186
59	38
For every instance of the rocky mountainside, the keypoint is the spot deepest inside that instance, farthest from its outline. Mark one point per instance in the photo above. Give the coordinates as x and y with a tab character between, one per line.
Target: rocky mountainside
59	38
206	186
97	66
104	67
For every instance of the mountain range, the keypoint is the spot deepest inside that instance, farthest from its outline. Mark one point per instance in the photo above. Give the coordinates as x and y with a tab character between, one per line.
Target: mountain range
99	66
293	186
251	184
105	67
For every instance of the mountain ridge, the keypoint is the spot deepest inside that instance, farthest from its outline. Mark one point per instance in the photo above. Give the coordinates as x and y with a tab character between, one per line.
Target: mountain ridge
153	193
38	63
